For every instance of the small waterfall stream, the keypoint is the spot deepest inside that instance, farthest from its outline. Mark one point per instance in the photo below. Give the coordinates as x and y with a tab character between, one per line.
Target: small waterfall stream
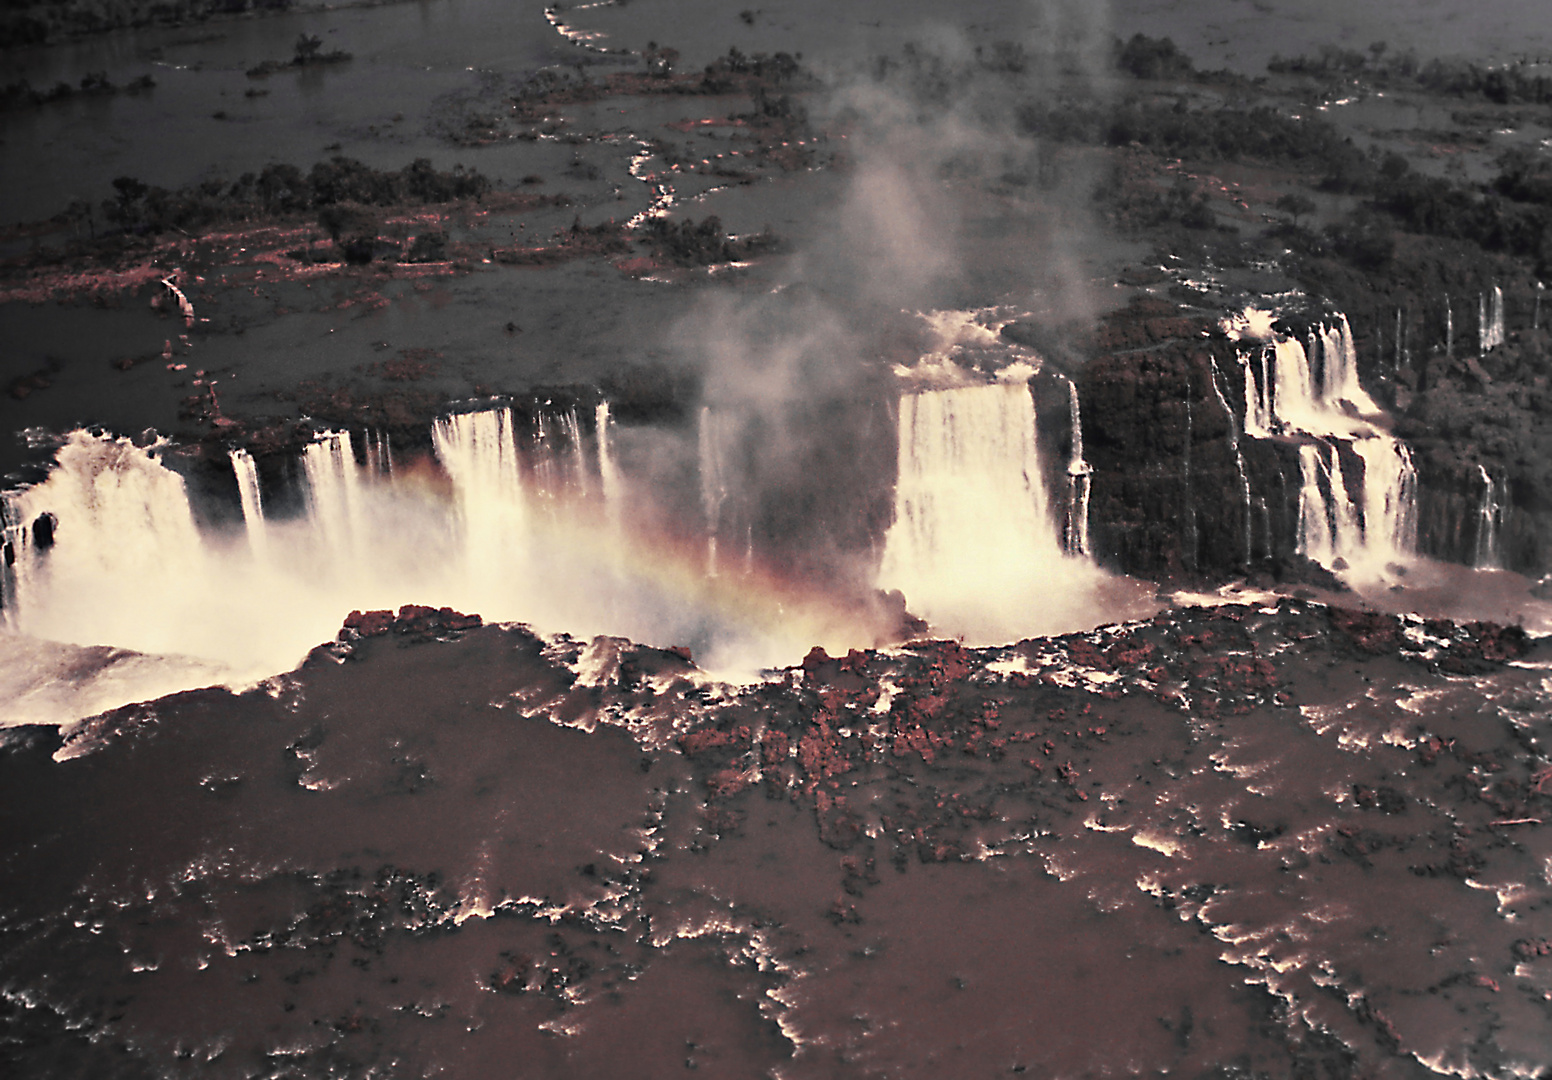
609	477
1489	522
1490	321
1079	482
712	438
247	473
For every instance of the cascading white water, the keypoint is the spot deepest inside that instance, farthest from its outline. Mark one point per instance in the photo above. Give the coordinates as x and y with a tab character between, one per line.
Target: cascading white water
124	548
581	471
561	467
334	494
247	474
1339	360
608	472
1315	527
479	452
1389	500
1079	481
973	546
712	439
1329	527
1325	408
1489	522
130	569
379	454
1258	393
1490	321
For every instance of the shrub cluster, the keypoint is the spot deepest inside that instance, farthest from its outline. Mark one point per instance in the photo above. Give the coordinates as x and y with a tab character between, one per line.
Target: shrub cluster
285	189
1503	85
93	84
1260	134
36	22
689	244
1144	57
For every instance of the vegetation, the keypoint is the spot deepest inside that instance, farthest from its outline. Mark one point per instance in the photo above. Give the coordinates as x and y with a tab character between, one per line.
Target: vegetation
93	84
689	244
1512	215
36	22
1144	57
285	189
1502	85
1295	206
1262	135
308	52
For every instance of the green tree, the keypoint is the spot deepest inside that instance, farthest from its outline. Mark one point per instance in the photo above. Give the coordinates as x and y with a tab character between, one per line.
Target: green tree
1295	206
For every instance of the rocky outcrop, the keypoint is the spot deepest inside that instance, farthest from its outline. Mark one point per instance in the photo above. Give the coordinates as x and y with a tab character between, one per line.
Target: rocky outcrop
1168	497
413	621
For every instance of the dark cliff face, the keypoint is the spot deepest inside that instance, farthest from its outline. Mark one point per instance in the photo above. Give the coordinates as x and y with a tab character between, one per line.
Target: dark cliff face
1169	498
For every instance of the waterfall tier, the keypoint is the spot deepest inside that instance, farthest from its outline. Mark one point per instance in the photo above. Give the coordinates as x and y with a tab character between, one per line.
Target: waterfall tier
974	547
531	521
1357	519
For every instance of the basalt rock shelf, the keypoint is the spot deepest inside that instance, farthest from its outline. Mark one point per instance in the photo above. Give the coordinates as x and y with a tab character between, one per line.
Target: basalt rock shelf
1275	841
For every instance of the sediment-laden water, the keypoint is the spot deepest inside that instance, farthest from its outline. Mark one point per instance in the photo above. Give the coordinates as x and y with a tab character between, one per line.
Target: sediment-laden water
1274	839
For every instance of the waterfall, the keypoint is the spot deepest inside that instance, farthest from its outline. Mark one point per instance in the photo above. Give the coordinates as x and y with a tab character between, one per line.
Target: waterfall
1192	546
1239	457
1293	403
546	471
1258	395
712	439
1489	522
973	546
1315	539
1079	480
1329	529
123	557
1310	392
571	428
252	502
479	452
1339	358
1490	321
608	472
334	493
107	554
558	457
1389	499
379	454
1449	328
